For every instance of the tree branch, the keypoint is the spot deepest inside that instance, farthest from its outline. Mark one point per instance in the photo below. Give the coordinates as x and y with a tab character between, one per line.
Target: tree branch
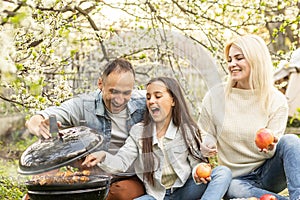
94	26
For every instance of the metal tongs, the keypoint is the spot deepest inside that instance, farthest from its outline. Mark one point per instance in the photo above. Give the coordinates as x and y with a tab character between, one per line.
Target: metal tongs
54	128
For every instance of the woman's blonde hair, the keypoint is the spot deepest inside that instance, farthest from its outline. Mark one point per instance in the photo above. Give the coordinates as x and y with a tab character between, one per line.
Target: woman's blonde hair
258	56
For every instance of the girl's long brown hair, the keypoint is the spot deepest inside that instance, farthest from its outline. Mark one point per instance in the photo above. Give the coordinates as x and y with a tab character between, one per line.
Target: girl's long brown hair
182	119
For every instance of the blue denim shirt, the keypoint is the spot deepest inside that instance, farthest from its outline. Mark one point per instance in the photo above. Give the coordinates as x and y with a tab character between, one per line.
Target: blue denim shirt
90	107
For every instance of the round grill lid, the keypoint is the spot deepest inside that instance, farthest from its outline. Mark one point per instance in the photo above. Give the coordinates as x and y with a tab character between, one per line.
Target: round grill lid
45	155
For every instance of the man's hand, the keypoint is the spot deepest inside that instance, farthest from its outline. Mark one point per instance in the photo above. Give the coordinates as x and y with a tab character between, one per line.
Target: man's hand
94	158
39	126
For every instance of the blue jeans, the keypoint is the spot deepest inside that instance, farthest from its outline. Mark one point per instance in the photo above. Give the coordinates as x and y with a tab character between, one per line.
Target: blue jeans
277	173
214	190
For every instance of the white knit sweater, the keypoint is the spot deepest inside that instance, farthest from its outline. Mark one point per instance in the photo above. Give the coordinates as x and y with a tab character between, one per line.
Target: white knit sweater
233	123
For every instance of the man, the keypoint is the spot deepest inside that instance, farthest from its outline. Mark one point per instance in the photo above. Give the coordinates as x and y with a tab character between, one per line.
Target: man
111	110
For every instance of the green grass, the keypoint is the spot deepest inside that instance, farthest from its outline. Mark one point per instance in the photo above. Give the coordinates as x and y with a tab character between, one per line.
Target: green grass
11	184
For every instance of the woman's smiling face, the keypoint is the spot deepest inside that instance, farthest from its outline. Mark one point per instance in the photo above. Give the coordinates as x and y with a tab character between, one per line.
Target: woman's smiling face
238	68
159	102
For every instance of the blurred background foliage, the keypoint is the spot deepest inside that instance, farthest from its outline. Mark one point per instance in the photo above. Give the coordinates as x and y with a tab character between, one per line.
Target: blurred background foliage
54	49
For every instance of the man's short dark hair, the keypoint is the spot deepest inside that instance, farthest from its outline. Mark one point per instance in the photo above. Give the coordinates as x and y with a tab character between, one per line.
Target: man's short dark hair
120	65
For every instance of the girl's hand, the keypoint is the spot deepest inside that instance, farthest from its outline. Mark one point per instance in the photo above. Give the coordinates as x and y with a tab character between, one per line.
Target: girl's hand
201	180
94	158
202	173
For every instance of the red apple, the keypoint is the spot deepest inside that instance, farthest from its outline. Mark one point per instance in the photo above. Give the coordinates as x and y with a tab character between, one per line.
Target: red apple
264	137
268	197
203	170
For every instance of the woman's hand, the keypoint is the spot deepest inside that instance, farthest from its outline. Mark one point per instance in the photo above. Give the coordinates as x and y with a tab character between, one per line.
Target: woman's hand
208	150
94	158
271	146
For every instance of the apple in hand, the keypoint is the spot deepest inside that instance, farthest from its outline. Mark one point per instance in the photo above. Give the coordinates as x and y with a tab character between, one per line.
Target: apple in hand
268	197
264	138
203	170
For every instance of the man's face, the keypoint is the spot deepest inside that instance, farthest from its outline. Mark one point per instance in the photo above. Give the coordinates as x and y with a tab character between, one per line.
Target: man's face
116	90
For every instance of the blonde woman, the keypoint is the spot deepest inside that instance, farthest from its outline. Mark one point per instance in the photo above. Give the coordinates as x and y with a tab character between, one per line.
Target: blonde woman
232	114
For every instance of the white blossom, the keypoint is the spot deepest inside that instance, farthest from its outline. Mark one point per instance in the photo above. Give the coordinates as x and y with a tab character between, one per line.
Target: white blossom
7	51
48	3
31	3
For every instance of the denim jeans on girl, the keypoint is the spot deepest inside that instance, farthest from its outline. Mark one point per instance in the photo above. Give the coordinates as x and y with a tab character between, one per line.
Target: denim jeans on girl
214	190
277	173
